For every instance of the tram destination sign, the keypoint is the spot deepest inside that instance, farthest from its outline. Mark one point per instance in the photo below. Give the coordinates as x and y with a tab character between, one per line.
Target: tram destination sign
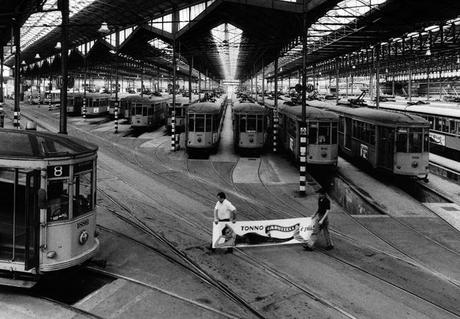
58	171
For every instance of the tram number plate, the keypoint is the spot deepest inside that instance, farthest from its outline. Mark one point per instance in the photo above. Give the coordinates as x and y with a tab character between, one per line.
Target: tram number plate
58	171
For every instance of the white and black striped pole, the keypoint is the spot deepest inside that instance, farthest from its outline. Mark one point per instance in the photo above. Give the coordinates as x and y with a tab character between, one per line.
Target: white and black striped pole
17	75
115	111
83	111
275	110
303	126
174	65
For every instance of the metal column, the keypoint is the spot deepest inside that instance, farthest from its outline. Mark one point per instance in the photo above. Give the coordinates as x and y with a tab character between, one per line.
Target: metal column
17	69
275	110
117	47
64	6
303	124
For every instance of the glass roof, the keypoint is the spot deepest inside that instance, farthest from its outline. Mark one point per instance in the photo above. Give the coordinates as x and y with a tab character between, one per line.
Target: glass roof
343	15
227	38
40	24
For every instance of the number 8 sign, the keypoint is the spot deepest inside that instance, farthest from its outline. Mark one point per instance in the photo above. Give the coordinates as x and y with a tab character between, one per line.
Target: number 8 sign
58	171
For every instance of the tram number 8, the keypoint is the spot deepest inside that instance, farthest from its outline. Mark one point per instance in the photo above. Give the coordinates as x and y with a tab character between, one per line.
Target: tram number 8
58	171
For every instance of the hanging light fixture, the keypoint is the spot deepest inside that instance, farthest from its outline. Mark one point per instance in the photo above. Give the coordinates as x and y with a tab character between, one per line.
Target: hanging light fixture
37	56
58	45
104	29
458	59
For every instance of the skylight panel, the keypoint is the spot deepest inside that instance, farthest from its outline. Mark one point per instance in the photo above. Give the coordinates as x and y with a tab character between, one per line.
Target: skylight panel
40	24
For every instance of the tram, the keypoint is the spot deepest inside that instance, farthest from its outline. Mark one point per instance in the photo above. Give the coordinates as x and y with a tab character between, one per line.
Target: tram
322	145
97	104
74	103
147	112
204	124
123	111
444	121
249	126
180	110
390	141
52	97
47	207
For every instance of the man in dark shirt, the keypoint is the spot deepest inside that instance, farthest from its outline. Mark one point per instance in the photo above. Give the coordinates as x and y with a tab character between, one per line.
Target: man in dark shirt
320	219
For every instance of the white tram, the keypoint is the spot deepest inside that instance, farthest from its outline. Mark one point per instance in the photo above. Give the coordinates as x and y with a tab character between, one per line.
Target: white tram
249	126
47	207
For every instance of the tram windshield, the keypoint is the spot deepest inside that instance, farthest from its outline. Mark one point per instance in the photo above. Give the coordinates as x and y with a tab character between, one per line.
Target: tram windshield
313	133
415	140
324	133
58	199
82	194
252	123
199	123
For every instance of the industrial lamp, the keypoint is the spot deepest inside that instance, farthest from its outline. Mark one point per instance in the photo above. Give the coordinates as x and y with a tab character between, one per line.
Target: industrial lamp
104	29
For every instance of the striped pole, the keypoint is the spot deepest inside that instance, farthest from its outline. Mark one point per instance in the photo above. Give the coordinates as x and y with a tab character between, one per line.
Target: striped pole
116	116
173	130
16	119
302	124
303	158
84	104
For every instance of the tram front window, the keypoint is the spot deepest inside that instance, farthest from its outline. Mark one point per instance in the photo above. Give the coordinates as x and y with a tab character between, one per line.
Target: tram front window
324	135
415	140
401	141
312	133
252	123
82	198
199	123
58	200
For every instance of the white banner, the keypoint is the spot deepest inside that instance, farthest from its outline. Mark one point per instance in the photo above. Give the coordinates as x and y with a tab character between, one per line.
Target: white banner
261	233
437	139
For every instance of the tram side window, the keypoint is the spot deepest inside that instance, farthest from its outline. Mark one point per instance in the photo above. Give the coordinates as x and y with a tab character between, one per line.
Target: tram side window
199	123
324	136
58	200
312	133
144	110
82	197
401	140
438	124
242	123
150	110
431	120
454	127
252	123
191	123
415	140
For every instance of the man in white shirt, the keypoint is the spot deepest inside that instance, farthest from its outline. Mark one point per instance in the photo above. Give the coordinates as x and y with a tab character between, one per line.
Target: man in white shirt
224	210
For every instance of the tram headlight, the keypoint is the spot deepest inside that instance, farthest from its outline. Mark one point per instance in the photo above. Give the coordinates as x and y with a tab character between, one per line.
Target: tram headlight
414	164
323	154
83	238
251	140
51	254
199	140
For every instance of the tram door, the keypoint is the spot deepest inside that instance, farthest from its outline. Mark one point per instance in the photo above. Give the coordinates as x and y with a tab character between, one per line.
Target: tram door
19	216
386	147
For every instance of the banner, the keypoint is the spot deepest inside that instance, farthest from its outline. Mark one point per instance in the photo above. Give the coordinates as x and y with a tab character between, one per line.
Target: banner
261	233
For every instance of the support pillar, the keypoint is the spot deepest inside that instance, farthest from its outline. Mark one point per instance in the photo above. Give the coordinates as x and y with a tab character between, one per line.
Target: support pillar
303	124
275	110
17	74
64	7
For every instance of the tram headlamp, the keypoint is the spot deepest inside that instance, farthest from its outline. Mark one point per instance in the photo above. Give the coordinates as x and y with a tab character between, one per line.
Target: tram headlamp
51	254
251	140
323	154
414	164
199	140
83	238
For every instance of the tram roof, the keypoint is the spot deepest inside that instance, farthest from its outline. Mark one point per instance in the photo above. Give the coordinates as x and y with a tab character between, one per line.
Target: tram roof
379	116
247	107
429	109
22	144
311	113
205	107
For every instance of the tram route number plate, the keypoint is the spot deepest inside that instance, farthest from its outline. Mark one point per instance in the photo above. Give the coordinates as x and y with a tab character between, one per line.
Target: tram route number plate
58	171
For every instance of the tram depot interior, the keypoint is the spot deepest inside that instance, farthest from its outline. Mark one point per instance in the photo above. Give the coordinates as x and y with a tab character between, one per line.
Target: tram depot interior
121	120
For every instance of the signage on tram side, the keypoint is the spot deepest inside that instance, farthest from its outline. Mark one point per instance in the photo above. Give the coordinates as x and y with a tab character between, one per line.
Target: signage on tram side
58	171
